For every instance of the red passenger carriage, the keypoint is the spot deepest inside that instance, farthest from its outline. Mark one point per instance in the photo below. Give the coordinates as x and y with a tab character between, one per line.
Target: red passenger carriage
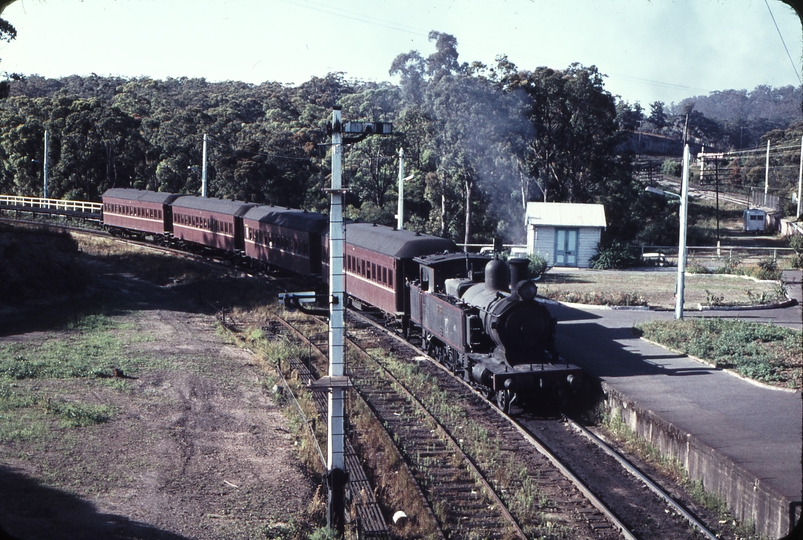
213	223
137	212
286	238
379	261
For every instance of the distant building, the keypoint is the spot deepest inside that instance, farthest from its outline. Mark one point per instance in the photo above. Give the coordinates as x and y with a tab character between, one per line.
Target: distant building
565	234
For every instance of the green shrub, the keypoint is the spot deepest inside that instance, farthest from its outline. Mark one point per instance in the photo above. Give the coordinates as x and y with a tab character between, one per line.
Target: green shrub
672	168
766	269
695	267
760	351
538	264
614	256
796	243
731	264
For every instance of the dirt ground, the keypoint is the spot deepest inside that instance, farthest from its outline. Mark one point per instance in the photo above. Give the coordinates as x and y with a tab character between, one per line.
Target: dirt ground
196	450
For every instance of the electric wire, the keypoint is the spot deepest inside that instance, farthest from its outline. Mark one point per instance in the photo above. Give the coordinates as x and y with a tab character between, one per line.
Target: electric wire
794	67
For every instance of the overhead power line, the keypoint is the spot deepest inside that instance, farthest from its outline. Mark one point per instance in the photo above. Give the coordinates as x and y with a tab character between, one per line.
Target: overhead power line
794	67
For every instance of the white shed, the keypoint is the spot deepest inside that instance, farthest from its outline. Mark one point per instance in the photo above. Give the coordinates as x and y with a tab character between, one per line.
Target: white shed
565	234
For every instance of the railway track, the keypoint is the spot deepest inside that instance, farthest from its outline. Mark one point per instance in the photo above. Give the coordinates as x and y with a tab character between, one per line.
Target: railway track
479	475
573	487
369	519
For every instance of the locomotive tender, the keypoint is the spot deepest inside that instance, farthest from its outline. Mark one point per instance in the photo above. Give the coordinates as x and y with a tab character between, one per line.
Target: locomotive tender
476	315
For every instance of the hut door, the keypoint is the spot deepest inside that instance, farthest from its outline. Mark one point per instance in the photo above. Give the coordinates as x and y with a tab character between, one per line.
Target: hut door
566	247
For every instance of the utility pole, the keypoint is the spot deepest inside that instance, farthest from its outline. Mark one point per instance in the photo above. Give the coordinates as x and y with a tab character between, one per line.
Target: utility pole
45	168
767	174
800	180
684	216
400	216
203	171
716	181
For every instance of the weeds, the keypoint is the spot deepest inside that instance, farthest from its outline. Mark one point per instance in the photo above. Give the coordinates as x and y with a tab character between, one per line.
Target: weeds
598	298
671	467
516	488
760	351
712	299
79	414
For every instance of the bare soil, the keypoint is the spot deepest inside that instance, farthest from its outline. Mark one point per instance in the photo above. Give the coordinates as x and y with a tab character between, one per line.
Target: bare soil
197	448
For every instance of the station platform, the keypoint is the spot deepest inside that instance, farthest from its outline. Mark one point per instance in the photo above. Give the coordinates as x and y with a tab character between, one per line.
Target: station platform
742	439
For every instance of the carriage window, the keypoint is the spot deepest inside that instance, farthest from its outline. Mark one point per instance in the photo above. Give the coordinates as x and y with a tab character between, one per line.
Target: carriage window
384	275
390	277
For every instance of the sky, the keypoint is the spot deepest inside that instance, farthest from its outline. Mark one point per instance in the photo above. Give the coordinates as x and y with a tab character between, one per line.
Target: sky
649	50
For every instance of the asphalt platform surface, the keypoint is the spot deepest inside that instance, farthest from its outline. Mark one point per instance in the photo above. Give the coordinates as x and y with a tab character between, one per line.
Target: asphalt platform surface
758	427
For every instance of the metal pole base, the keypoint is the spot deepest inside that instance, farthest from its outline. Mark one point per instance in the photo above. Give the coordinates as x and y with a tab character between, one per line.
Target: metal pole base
336	479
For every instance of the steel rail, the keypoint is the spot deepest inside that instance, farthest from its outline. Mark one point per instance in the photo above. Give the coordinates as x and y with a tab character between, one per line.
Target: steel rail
543	450
445	435
605	447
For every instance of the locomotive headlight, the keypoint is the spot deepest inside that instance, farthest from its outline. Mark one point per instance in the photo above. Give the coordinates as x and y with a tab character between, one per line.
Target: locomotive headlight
526	290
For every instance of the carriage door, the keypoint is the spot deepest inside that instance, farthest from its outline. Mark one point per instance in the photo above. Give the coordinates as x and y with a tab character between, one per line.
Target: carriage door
566	247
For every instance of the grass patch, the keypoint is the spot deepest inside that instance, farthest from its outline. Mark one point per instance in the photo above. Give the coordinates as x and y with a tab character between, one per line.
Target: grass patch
76	414
87	349
657	289
763	352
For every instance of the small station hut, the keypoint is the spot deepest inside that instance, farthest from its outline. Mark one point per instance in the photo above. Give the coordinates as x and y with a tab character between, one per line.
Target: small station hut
566	234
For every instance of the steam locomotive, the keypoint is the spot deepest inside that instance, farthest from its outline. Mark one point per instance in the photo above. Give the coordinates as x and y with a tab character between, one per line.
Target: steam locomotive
476	315
480	318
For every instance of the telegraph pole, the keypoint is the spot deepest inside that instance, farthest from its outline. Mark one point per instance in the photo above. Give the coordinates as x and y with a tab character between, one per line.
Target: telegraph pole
767	174
45	168
203	170
400	217
800	181
684	216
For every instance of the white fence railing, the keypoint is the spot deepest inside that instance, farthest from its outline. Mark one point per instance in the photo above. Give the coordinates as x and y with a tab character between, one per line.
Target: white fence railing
714	256
51	204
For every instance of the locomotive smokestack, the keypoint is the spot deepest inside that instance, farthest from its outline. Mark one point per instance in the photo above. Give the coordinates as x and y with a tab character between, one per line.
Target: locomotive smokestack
519	271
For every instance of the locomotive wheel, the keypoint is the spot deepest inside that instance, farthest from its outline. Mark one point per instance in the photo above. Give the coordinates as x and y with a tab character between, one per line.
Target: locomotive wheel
503	399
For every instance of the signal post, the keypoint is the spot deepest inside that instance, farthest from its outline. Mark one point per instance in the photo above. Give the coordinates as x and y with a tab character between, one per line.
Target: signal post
336	382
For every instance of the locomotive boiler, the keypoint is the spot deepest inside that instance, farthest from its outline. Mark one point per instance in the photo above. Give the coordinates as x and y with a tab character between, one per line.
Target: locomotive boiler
480	317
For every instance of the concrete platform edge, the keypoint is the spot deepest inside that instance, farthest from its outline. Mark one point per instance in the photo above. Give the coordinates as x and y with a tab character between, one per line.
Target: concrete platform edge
744	494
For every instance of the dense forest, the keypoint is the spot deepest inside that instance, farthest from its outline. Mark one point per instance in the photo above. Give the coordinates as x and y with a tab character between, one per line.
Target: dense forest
480	141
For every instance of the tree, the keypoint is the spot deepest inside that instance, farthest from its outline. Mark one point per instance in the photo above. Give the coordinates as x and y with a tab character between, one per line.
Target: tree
628	116
572	151
657	115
